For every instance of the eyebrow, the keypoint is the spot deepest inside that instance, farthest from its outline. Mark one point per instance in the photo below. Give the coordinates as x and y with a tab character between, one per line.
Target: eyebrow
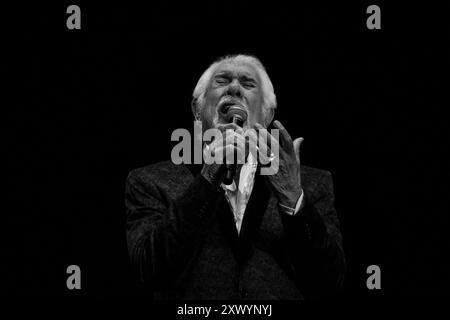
244	77
248	78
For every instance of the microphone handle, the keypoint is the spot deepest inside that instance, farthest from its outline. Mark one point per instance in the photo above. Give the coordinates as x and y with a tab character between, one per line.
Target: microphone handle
231	168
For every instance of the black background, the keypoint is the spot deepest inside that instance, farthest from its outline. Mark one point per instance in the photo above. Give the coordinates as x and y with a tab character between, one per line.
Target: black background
87	106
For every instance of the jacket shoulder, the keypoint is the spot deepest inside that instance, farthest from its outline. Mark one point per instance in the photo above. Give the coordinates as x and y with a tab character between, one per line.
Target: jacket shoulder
316	181
164	173
314	173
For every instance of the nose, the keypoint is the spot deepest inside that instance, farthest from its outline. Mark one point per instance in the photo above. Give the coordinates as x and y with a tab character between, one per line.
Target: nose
234	89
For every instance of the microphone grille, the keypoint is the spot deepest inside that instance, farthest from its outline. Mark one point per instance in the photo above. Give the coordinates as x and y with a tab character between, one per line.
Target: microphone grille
237	112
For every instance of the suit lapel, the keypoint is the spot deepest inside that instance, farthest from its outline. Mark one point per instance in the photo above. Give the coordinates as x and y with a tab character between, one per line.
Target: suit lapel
226	222
253	215
240	244
254	212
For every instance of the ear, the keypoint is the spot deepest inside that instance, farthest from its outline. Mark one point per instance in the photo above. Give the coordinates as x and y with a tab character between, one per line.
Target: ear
269	116
194	107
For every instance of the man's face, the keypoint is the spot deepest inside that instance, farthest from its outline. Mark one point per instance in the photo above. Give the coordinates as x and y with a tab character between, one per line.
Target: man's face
233	84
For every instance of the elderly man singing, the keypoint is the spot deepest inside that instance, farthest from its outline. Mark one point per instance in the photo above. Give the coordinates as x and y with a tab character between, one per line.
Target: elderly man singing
191	235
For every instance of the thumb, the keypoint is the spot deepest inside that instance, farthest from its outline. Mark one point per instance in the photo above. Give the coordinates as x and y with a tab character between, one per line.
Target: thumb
297	143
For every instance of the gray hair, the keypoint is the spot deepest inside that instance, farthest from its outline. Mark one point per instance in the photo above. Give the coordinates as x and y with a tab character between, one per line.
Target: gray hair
269	98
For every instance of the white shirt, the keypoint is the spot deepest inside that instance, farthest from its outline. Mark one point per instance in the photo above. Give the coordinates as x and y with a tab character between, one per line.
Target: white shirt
238	197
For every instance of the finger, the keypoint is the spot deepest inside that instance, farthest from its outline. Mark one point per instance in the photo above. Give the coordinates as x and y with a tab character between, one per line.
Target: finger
232	137
264	152
239	143
252	143
231	154
268	139
227	137
262	138
285	136
217	141
225	126
258	126
266	143
297	143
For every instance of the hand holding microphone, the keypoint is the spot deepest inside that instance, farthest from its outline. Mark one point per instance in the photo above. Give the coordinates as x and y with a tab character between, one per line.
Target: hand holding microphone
230	146
237	116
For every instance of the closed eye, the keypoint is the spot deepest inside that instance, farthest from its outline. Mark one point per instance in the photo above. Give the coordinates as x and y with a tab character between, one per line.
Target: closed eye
221	80
249	84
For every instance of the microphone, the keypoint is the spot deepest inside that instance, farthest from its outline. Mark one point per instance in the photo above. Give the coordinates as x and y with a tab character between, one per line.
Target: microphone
238	116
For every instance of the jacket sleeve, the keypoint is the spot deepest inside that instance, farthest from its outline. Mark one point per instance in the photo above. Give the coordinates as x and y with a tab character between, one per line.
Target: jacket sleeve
162	233
314	243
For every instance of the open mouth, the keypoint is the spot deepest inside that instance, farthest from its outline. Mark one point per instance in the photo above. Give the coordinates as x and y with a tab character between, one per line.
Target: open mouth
227	104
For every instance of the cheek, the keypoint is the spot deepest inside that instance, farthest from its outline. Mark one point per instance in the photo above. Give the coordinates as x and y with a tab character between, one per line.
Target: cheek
208	116
212	96
256	117
257	113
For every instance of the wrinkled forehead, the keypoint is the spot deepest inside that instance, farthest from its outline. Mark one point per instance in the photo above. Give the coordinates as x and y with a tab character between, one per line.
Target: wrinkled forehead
237	68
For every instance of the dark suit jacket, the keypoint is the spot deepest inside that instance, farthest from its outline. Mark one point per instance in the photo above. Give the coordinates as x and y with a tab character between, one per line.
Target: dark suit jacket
183	241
